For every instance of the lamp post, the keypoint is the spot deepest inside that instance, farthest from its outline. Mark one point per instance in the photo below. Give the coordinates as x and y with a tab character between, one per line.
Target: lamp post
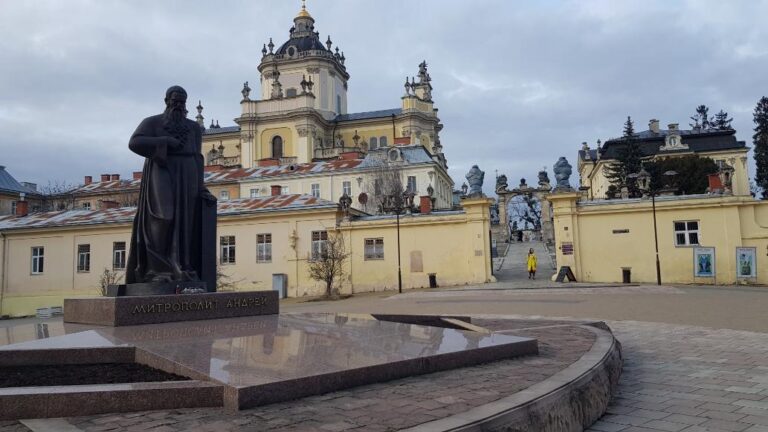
644	184
396	204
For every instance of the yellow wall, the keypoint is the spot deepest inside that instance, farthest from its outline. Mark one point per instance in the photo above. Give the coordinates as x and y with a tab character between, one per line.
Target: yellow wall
466	261
601	250
265	142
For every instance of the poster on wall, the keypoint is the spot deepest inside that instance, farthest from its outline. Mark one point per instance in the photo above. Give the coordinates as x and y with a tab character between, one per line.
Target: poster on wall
746	262
704	262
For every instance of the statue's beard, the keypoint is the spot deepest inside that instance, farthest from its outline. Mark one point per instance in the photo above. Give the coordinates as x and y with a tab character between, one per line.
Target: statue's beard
173	121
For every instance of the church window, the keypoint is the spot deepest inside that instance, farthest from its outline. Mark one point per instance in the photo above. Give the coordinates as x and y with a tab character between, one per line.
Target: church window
412	184
382	141
291	92
227	249
374	144
277	147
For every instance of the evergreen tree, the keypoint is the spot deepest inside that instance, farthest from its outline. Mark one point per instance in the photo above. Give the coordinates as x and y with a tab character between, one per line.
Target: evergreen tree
722	122
691	178
760	142
701	118
628	161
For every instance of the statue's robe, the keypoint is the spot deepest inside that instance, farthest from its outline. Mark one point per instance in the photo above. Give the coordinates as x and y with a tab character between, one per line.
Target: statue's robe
166	241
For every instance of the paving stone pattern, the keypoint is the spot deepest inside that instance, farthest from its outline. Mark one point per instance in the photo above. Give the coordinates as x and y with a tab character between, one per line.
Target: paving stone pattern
380	407
689	379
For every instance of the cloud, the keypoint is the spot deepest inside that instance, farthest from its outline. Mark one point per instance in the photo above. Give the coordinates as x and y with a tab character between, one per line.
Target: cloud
517	84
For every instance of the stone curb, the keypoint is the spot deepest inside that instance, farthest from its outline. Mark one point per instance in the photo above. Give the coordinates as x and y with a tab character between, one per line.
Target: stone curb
571	400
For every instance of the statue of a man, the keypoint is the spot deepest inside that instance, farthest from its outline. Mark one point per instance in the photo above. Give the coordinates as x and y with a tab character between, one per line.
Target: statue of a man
176	214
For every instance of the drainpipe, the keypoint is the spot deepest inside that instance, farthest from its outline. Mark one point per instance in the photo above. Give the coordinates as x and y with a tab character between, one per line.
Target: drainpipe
394	134
3	267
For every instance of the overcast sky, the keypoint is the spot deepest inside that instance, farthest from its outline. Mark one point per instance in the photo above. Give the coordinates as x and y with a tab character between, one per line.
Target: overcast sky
517	84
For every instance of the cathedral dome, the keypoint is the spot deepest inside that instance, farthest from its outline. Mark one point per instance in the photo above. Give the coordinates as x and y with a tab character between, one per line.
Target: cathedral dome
295	45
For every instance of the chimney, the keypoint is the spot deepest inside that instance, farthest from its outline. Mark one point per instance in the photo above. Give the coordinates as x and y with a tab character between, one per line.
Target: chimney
276	190
425	204
672	126
115	177
107	204
653	125
88	180
105	177
22	206
137	175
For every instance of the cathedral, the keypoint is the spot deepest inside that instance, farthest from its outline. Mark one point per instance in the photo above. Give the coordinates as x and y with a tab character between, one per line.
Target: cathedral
296	133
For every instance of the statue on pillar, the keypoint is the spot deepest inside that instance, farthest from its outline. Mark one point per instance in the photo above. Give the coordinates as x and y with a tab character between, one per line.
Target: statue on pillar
475	179
563	172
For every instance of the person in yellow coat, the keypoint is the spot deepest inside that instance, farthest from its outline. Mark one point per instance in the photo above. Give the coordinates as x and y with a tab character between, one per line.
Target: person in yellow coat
531	264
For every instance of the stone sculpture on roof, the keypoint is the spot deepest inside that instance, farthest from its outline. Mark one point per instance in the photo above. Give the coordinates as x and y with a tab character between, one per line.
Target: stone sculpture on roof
475	179
563	172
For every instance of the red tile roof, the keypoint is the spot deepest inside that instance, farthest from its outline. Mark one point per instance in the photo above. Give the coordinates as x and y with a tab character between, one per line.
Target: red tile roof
126	214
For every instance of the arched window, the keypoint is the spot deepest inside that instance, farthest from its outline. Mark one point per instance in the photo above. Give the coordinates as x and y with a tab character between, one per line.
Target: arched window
374	144
277	147
383	141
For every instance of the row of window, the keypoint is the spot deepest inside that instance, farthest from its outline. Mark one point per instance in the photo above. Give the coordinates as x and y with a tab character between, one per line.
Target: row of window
374	248
83	263
346	187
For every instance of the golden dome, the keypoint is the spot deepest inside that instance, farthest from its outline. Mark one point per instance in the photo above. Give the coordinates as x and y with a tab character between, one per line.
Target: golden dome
303	12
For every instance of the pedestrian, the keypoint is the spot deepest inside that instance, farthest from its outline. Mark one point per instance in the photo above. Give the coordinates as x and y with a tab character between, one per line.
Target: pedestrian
531	264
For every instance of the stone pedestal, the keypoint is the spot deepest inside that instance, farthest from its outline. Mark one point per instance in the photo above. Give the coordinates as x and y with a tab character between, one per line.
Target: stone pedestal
136	310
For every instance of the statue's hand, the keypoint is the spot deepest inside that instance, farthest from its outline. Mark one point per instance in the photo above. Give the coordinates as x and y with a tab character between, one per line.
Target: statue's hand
173	143
206	195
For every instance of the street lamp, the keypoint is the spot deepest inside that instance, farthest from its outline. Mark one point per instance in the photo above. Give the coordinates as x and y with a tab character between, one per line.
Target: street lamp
643	179
396	204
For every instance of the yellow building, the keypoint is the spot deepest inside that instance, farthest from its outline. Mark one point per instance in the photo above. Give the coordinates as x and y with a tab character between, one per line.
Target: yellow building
655	143
299	121
606	240
45	257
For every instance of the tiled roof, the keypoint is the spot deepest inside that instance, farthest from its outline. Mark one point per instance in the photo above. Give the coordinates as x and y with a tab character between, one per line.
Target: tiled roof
126	214
221	130
9	184
319	167
368	115
107	186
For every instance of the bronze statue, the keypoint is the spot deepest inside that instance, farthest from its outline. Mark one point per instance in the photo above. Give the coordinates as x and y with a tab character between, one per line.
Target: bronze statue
173	238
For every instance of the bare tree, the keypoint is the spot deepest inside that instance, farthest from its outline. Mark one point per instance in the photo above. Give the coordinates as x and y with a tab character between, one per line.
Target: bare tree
327	264
57	195
385	189
526	208
108	277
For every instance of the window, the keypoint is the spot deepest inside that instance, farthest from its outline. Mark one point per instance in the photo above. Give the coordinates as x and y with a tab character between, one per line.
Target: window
263	248
374	249
291	92
411	184
13	207
227	249
224	195
346	188
38	259
315	190
686	233
285	190
277	147
87	205
83	258
254	193
319	244
374	143
382	141
118	255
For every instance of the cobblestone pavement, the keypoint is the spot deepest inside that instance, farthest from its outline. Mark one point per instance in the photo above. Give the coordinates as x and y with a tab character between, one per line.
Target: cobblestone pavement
689	379
380	407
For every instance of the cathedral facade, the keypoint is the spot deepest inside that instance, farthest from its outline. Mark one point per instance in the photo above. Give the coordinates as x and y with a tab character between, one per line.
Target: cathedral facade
297	124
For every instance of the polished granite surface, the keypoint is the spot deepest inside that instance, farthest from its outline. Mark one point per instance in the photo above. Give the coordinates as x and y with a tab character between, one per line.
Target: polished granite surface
251	351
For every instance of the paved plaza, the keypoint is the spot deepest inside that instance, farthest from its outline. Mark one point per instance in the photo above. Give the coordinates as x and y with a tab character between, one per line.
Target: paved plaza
696	358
